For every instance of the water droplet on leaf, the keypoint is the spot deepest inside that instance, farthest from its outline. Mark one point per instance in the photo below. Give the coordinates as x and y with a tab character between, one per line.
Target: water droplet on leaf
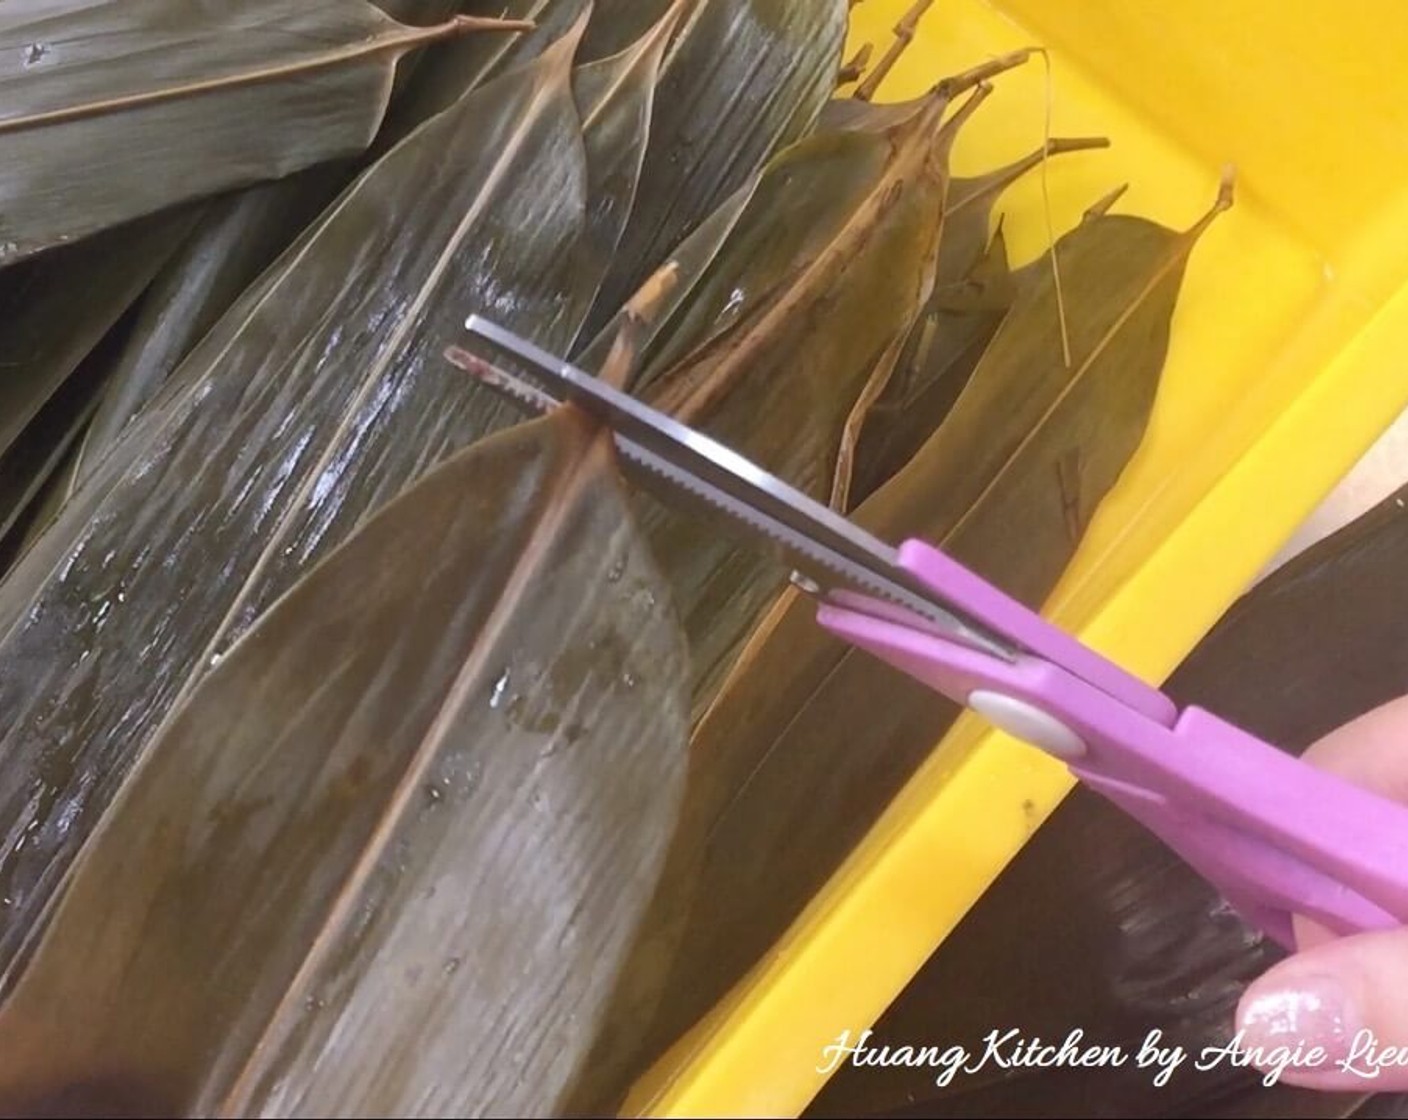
500	687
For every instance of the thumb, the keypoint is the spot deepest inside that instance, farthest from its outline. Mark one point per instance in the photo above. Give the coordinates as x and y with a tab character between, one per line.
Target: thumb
1334	1016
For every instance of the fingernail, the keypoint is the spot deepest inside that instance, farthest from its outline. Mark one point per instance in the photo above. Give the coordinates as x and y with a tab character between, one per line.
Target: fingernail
1314	1011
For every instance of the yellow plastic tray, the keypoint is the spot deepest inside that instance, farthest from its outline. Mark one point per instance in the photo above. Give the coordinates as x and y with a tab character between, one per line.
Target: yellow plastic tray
1289	357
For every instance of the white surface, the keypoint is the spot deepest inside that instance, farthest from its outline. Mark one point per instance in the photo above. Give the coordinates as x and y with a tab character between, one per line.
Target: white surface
1028	723
1382	470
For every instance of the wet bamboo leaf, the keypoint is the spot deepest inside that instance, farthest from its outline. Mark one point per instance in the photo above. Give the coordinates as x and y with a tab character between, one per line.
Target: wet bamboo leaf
236	239
848	113
823	271
972	293
449	70
971	203
47	498
799	206
940	356
424	13
54	310
971	200
240	234
803	203
670	288
216	96
616	24
1145	943
48	441
848	223
318	398
419	852
613	98
741	81
419	11
1006	486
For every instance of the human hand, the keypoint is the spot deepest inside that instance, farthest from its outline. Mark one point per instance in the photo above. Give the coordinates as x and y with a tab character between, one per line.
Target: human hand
1348	996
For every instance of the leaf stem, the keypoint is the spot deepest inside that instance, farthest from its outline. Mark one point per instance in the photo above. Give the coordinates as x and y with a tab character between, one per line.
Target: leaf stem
398	41
904	35
852	70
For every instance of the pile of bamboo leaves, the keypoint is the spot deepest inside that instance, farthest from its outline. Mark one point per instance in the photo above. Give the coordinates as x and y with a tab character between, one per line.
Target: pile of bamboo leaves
366	745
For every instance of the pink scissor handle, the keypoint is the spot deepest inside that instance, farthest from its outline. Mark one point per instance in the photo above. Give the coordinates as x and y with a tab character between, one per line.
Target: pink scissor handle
1275	835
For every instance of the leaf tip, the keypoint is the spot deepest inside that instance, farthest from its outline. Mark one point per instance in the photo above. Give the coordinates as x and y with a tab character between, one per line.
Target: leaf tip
955	84
1226	188
1060	145
1101	206
853	70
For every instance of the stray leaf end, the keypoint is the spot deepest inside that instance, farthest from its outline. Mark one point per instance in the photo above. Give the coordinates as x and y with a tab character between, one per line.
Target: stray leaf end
1101	206
623	360
853	70
905	31
967	79
1225	189
1062	144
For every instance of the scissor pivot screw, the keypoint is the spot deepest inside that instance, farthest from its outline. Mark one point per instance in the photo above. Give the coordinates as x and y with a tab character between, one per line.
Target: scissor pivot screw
1028	723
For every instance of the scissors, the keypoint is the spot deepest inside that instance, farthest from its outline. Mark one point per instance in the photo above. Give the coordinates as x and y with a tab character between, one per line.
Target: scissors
1273	834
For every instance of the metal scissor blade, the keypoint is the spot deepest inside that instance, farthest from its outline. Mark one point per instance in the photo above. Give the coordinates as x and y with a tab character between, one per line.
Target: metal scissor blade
818	541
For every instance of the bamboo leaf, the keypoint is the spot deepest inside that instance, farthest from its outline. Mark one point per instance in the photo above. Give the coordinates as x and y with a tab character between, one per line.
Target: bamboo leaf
30	464
47	494
237	239
449	70
1323	630
847	113
317	399
215	95
419	11
742	80
787	223
708	268
668	293
423	13
242	235
417	856
939	356
616	24
848	224
55	310
786	792
803	203
911	395
842	229
616	113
